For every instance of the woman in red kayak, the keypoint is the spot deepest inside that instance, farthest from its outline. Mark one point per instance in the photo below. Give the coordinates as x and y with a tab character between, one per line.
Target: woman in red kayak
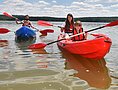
25	22
68	25
78	29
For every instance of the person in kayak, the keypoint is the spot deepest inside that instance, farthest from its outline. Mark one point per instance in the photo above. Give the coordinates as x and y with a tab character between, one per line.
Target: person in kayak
25	22
78	29
68	25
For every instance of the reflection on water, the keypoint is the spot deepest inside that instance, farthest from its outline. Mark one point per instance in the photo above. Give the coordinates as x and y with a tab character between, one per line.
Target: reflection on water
39	51
94	72
22	45
3	43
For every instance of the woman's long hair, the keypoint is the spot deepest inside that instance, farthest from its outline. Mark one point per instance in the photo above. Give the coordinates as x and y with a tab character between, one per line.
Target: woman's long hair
67	25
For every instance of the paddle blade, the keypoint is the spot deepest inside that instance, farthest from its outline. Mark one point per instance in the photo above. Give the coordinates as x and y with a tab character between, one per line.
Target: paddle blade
43	33
47	30
4	30
114	23
37	46
8	15
3	41
44	23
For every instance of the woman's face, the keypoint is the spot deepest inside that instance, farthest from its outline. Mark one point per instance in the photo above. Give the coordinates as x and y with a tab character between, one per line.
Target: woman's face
69	18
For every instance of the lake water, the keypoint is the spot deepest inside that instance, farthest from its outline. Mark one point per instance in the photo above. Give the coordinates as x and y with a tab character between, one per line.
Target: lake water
49	68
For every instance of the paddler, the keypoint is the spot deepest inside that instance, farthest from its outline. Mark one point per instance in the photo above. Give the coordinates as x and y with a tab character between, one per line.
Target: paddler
68	25
78	29
25	22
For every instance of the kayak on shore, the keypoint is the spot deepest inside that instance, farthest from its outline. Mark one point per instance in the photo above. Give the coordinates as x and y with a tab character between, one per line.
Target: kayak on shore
95	48
25	33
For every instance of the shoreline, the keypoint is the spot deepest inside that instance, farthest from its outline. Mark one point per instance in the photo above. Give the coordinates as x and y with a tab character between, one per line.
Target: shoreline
57	19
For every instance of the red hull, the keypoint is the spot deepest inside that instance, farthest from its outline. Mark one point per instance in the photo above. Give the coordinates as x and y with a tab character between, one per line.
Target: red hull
95	48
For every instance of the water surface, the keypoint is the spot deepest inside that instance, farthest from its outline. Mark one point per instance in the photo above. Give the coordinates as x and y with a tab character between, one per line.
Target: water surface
49	68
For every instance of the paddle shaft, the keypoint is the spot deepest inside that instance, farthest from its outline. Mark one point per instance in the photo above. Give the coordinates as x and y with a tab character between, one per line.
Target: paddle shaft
63	39
76	35
14	17
114	23
57	26
55	41
87	31
95	29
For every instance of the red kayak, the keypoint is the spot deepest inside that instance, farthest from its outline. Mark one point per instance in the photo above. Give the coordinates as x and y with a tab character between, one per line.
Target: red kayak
95	48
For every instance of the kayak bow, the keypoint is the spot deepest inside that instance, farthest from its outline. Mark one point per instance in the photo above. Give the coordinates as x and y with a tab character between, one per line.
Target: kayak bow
25	33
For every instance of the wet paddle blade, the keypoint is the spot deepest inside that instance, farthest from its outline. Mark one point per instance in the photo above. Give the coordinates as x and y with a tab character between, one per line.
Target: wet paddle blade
114	23
43	33
4	30
8	15
3	41
47	31
44	23
37	46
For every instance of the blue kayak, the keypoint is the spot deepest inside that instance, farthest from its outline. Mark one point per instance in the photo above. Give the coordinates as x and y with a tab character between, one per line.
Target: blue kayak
25	33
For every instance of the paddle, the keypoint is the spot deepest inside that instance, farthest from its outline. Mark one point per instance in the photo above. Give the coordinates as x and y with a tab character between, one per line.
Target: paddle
45	31
45	23
4	30
41	31
9	15
42	45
